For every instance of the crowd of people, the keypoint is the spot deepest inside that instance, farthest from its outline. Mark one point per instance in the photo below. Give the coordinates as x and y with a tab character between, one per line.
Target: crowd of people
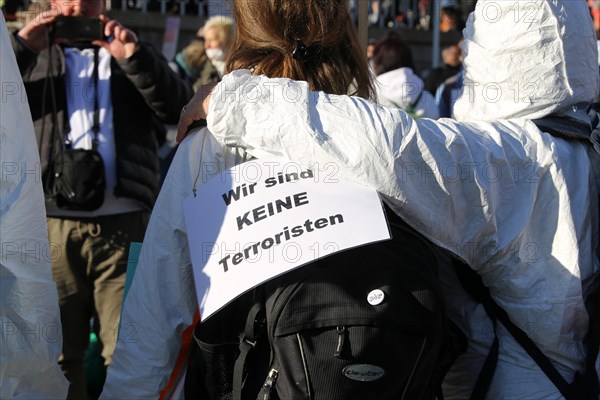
102	105
413	14
424	94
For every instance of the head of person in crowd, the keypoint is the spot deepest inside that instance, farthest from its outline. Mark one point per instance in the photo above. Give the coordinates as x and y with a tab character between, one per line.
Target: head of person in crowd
452	56
191	59
451	65
371	48
451	16
315	43
79	8
391	53
217	33
397	84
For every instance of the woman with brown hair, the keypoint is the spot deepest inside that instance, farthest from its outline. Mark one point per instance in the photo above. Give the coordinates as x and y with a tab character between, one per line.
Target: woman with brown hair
312	41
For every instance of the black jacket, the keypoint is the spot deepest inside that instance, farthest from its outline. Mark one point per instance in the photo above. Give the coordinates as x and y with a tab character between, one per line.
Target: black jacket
145	94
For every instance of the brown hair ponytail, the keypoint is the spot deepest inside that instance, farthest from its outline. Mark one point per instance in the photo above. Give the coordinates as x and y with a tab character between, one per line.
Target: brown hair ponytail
308	40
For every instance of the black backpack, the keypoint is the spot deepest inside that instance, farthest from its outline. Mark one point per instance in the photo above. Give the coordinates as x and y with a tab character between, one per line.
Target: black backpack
366	323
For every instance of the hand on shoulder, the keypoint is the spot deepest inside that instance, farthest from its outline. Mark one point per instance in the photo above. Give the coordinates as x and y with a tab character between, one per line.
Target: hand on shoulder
195	110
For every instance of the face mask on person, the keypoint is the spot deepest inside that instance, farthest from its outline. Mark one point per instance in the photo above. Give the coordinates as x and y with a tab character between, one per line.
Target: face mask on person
216	54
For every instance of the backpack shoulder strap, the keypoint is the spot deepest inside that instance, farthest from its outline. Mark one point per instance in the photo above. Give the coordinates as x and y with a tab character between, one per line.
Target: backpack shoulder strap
248	339
473	284
572	129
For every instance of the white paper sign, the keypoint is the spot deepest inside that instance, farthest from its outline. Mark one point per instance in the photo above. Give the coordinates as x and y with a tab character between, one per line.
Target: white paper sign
246	228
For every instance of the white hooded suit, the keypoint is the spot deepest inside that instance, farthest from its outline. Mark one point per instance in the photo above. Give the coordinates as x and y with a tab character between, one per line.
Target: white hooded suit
517	204
402	88
30	328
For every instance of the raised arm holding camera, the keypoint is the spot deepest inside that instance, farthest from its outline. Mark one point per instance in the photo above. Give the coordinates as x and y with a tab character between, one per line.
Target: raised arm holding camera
98	98
82	22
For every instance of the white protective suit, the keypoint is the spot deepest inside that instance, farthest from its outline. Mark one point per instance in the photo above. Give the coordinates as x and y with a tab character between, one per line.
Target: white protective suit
402	88
515	203
30	329
161	302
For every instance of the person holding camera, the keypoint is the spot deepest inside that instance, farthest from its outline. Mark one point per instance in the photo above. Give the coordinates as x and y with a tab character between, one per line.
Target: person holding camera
99	98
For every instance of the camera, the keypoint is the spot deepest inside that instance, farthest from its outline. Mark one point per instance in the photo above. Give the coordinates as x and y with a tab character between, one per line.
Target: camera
77	29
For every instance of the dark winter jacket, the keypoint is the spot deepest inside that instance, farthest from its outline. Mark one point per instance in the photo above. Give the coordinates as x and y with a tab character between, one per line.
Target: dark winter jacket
145	94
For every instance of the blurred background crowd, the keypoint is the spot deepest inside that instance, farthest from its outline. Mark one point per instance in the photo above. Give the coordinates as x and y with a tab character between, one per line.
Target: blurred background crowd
160	20
177	24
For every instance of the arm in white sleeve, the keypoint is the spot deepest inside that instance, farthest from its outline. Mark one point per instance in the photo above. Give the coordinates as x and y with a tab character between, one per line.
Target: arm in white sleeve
161	302
469	187
452	182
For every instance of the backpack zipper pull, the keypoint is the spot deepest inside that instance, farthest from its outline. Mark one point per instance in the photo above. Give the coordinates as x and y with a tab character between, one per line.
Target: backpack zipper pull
265	392
341	331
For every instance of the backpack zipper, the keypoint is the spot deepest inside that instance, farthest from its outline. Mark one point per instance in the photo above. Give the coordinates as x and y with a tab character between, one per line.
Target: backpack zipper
341	331
305	366
269	384
281	301
412	373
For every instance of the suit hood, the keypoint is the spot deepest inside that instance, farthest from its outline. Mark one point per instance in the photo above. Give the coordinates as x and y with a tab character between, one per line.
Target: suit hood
399	88
527	59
